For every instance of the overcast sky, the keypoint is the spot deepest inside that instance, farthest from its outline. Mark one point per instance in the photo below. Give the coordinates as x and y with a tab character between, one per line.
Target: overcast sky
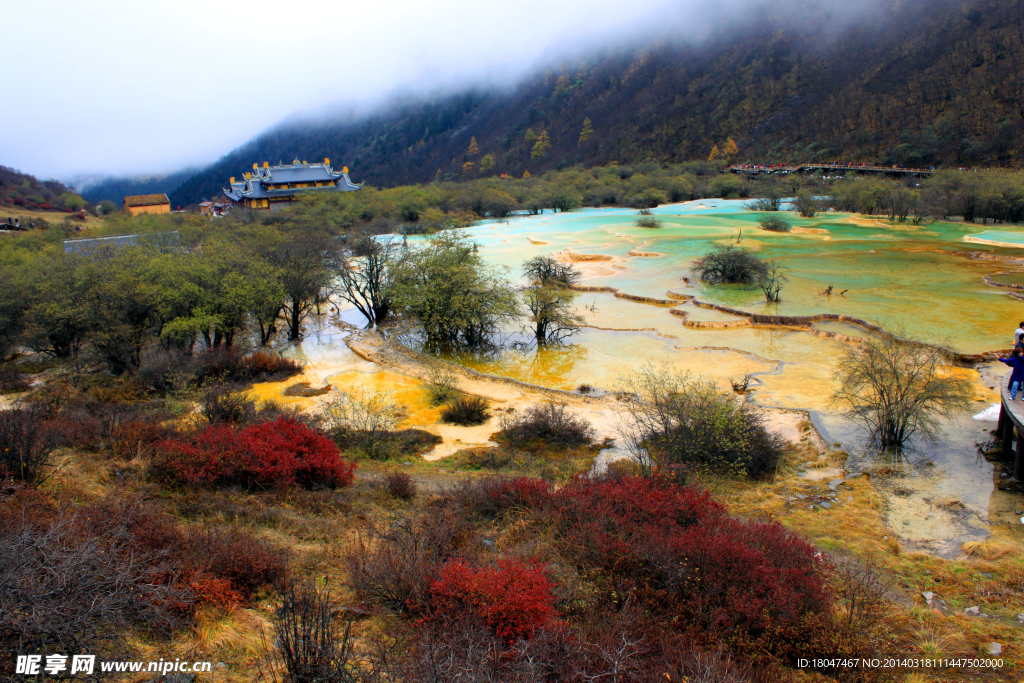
136	86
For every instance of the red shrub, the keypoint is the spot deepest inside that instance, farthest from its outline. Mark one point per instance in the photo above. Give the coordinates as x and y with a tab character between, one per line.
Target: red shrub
673	549
213	591
270	454
735	577
493	496
46	206
22	505
604	522
140	437
514	599
82	432
245	562
219	566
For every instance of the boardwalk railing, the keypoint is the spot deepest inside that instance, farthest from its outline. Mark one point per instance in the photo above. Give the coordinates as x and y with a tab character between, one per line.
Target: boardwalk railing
855	168
1011	424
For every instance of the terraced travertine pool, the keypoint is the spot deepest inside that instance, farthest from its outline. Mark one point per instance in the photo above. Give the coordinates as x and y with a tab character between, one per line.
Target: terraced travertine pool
928	279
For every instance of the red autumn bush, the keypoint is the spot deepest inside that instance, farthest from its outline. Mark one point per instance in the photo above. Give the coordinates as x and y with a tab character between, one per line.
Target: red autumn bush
492	496
514	598
213	591
604	522
245	562
734	577
676	551
274	454
219	566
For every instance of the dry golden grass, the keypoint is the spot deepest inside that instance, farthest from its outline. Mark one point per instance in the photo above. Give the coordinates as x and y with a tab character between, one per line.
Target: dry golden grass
51	217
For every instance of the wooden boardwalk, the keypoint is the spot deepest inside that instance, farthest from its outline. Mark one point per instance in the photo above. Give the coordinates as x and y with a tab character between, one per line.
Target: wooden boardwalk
1011	427
754	169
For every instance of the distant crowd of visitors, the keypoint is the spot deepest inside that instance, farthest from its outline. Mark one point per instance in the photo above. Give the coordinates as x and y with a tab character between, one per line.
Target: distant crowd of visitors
15	224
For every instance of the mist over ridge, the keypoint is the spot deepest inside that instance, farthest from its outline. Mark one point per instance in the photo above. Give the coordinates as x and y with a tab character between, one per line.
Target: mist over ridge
929	83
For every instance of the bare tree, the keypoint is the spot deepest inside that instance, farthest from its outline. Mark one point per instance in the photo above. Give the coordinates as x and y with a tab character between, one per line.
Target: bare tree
550	313
771	281
314	640
27	444
546	270
897	388
367	281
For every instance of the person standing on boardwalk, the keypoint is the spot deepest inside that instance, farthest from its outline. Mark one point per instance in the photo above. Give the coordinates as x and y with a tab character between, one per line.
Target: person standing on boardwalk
1015	361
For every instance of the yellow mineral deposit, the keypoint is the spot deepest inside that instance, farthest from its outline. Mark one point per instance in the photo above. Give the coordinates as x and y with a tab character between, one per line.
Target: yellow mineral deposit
642	303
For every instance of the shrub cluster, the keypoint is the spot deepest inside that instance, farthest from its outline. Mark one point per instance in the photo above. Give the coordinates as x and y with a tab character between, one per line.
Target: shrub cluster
398	484
162	371
729	265
442	384
774	223
27	443
647	222
678	422
466	410
514	598
81	582
274	454
647	569
548	424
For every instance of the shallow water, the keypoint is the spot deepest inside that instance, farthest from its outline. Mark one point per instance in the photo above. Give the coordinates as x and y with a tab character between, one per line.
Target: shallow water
905	275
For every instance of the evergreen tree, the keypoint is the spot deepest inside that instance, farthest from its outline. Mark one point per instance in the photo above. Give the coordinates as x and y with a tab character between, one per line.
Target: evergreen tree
487	163
587	131
714	153
467	167
473	149
526	174
730	148
530	135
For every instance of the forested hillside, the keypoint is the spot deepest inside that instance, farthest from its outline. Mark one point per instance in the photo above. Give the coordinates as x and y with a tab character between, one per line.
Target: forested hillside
933	82
22	191
116	189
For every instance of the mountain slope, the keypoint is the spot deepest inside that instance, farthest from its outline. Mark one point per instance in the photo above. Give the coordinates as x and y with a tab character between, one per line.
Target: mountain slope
116	189
931	82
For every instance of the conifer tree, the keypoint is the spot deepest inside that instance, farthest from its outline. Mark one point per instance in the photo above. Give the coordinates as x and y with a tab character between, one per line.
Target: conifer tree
563	84
473	149
541	147
587	131
487	163
714	153
526	174
730	148
582	72
530	135
437	176
467	167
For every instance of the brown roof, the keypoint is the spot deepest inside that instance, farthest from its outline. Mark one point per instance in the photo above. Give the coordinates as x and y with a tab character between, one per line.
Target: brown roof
146	200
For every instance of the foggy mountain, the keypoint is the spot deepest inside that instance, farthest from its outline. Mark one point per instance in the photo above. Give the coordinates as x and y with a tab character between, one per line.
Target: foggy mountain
117	188
914	83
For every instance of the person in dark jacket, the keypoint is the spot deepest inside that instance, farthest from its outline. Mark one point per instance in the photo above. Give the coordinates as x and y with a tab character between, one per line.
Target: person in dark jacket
1015	361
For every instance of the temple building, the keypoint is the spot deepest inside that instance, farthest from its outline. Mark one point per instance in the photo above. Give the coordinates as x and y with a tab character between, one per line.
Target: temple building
273	187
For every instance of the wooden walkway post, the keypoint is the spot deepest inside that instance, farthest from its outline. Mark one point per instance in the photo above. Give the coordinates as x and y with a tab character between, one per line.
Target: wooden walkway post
1011	423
